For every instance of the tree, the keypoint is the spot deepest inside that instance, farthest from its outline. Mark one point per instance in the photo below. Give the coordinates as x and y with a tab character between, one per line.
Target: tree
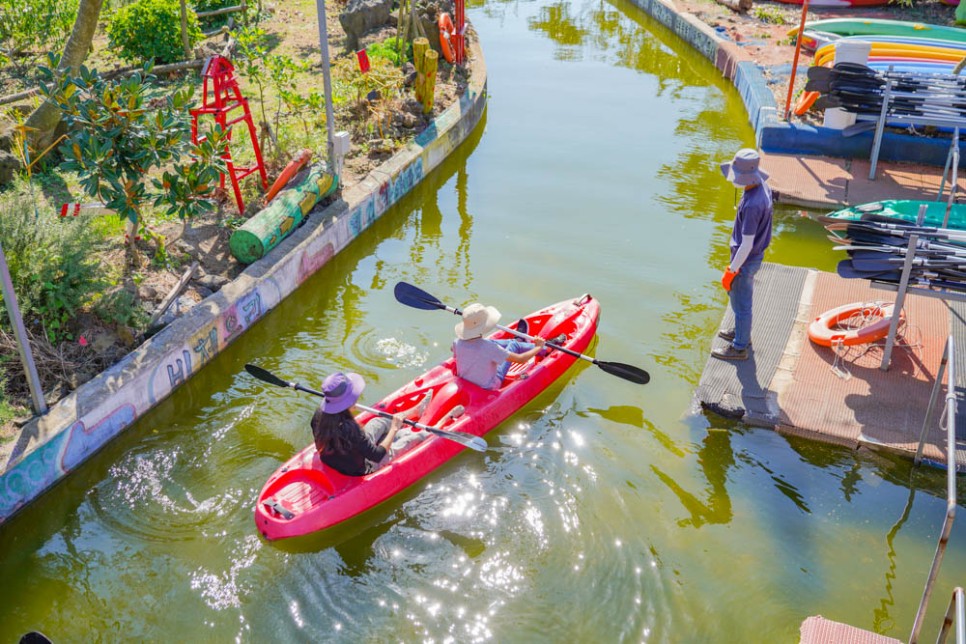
118	135
45	118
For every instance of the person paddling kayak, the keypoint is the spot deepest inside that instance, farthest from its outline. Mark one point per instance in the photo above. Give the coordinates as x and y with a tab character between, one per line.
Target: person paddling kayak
485	362
342	444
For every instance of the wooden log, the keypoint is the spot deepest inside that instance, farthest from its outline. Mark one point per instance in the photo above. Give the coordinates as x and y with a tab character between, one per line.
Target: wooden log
267	228
115	73
223	10
175	292
429	89
420	47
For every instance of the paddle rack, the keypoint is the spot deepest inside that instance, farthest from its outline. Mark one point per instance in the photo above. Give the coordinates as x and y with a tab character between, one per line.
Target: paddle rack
223	99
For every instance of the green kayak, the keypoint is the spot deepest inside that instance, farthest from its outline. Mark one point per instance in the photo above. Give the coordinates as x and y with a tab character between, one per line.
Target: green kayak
908	210
879	27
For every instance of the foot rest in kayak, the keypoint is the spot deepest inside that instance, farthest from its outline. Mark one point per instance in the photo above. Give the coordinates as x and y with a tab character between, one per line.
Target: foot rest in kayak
279	509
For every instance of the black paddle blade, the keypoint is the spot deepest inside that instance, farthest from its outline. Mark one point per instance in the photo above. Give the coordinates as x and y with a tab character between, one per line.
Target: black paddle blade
625	371
416	297
266	376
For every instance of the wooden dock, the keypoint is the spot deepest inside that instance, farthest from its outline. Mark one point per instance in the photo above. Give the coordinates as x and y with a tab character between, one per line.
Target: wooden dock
841	397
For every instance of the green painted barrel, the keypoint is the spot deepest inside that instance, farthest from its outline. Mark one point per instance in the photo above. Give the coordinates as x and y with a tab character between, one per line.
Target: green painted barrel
267	228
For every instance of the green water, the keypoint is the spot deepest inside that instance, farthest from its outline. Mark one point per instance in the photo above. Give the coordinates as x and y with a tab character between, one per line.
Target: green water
607	511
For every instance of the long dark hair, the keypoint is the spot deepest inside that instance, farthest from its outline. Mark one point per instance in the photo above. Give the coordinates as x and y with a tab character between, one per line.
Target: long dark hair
331	431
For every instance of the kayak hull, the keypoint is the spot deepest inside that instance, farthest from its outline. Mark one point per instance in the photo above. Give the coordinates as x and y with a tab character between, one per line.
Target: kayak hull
907	210
305	496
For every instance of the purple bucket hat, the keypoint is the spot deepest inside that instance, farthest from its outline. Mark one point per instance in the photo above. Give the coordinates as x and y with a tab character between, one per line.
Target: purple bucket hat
341	391
743	169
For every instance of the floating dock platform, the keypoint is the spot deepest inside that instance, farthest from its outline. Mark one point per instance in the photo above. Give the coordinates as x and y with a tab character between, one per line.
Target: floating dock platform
839	396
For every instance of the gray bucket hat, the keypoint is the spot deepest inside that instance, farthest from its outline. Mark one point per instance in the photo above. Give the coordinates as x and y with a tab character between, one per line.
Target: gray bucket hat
743	170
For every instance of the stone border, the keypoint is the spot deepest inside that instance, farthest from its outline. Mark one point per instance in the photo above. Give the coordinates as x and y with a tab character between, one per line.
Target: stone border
771	133
52	446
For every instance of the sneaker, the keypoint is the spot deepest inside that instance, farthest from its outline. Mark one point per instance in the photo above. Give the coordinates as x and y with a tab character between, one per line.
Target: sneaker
523	327
727	334
730	353
559	340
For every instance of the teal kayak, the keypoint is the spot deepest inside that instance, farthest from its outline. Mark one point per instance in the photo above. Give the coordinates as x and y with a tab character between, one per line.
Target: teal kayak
908	210
881	27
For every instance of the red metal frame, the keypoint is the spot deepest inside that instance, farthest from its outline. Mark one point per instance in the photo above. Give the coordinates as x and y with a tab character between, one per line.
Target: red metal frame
221	97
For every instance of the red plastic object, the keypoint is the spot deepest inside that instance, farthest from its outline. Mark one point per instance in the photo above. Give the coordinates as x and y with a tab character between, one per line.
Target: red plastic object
304	495
363	60
222	97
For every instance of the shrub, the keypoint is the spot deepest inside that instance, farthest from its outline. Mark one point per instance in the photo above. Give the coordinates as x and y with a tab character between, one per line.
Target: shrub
390	50
53	271
150	30
35	24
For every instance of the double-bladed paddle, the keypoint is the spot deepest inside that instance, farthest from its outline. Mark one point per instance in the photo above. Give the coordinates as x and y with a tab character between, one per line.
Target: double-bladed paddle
473	442
419	299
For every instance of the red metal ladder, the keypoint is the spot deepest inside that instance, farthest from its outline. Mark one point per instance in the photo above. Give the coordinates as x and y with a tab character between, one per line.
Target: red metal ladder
221	97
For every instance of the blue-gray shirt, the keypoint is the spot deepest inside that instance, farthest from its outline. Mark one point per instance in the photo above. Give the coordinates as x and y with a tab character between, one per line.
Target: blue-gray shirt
754	218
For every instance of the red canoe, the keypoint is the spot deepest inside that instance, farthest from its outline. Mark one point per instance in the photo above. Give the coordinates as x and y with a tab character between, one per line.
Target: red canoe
304	496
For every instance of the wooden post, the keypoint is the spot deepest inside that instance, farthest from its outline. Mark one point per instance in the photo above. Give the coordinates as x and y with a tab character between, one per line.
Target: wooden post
429	89
184	30
420	47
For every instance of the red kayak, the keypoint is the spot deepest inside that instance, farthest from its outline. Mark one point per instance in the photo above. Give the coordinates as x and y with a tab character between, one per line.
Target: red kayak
304	496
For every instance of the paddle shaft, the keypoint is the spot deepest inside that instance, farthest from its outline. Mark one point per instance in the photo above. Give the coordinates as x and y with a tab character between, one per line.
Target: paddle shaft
520	334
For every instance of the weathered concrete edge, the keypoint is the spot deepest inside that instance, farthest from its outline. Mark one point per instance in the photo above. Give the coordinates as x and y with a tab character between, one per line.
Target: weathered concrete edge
83	422
771	133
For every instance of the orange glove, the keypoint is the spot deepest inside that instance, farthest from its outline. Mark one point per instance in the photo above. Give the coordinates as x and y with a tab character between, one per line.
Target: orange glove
728	278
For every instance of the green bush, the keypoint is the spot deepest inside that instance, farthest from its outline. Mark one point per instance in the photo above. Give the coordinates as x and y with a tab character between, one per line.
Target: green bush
53	270
150	31
390	50
27	25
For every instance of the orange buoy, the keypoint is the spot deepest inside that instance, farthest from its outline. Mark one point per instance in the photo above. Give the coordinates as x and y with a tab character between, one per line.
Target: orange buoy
293	166
850	324
446	30
805	102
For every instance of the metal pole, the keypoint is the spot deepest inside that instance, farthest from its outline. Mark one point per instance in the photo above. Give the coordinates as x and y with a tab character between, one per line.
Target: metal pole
327	86
20	335
798	49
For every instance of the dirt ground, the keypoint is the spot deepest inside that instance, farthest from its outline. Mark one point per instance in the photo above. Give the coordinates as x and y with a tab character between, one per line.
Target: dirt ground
293	30
763	31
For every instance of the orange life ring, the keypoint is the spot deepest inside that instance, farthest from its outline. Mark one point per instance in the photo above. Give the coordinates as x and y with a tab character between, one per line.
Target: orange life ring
446	30
824	329
805	102
293	166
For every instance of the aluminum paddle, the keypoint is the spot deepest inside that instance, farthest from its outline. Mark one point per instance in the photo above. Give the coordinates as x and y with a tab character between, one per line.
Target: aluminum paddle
419	299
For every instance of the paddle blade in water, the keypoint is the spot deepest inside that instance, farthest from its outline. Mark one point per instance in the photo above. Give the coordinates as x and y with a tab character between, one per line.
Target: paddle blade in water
266	376
416	297
625	371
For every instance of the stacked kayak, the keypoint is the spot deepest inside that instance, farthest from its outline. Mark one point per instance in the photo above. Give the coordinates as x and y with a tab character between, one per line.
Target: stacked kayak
876	27
878	245
304	495
906	210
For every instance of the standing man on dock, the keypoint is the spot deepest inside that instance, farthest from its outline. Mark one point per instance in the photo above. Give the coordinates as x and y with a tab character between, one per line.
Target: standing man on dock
749	239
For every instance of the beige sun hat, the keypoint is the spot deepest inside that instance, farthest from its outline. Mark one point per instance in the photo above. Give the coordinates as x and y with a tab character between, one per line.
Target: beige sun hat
478	320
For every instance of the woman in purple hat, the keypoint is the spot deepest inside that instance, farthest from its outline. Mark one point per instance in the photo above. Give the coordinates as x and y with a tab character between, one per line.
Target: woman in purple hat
343	445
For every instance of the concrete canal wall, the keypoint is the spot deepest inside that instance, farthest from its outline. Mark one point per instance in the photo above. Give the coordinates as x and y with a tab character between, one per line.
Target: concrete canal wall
771	133
52	446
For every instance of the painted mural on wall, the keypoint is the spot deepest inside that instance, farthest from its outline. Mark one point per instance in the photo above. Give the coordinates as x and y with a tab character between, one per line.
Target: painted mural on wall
164	363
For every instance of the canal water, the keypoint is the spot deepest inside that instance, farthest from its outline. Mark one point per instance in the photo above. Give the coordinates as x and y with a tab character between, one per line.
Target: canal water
606	511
